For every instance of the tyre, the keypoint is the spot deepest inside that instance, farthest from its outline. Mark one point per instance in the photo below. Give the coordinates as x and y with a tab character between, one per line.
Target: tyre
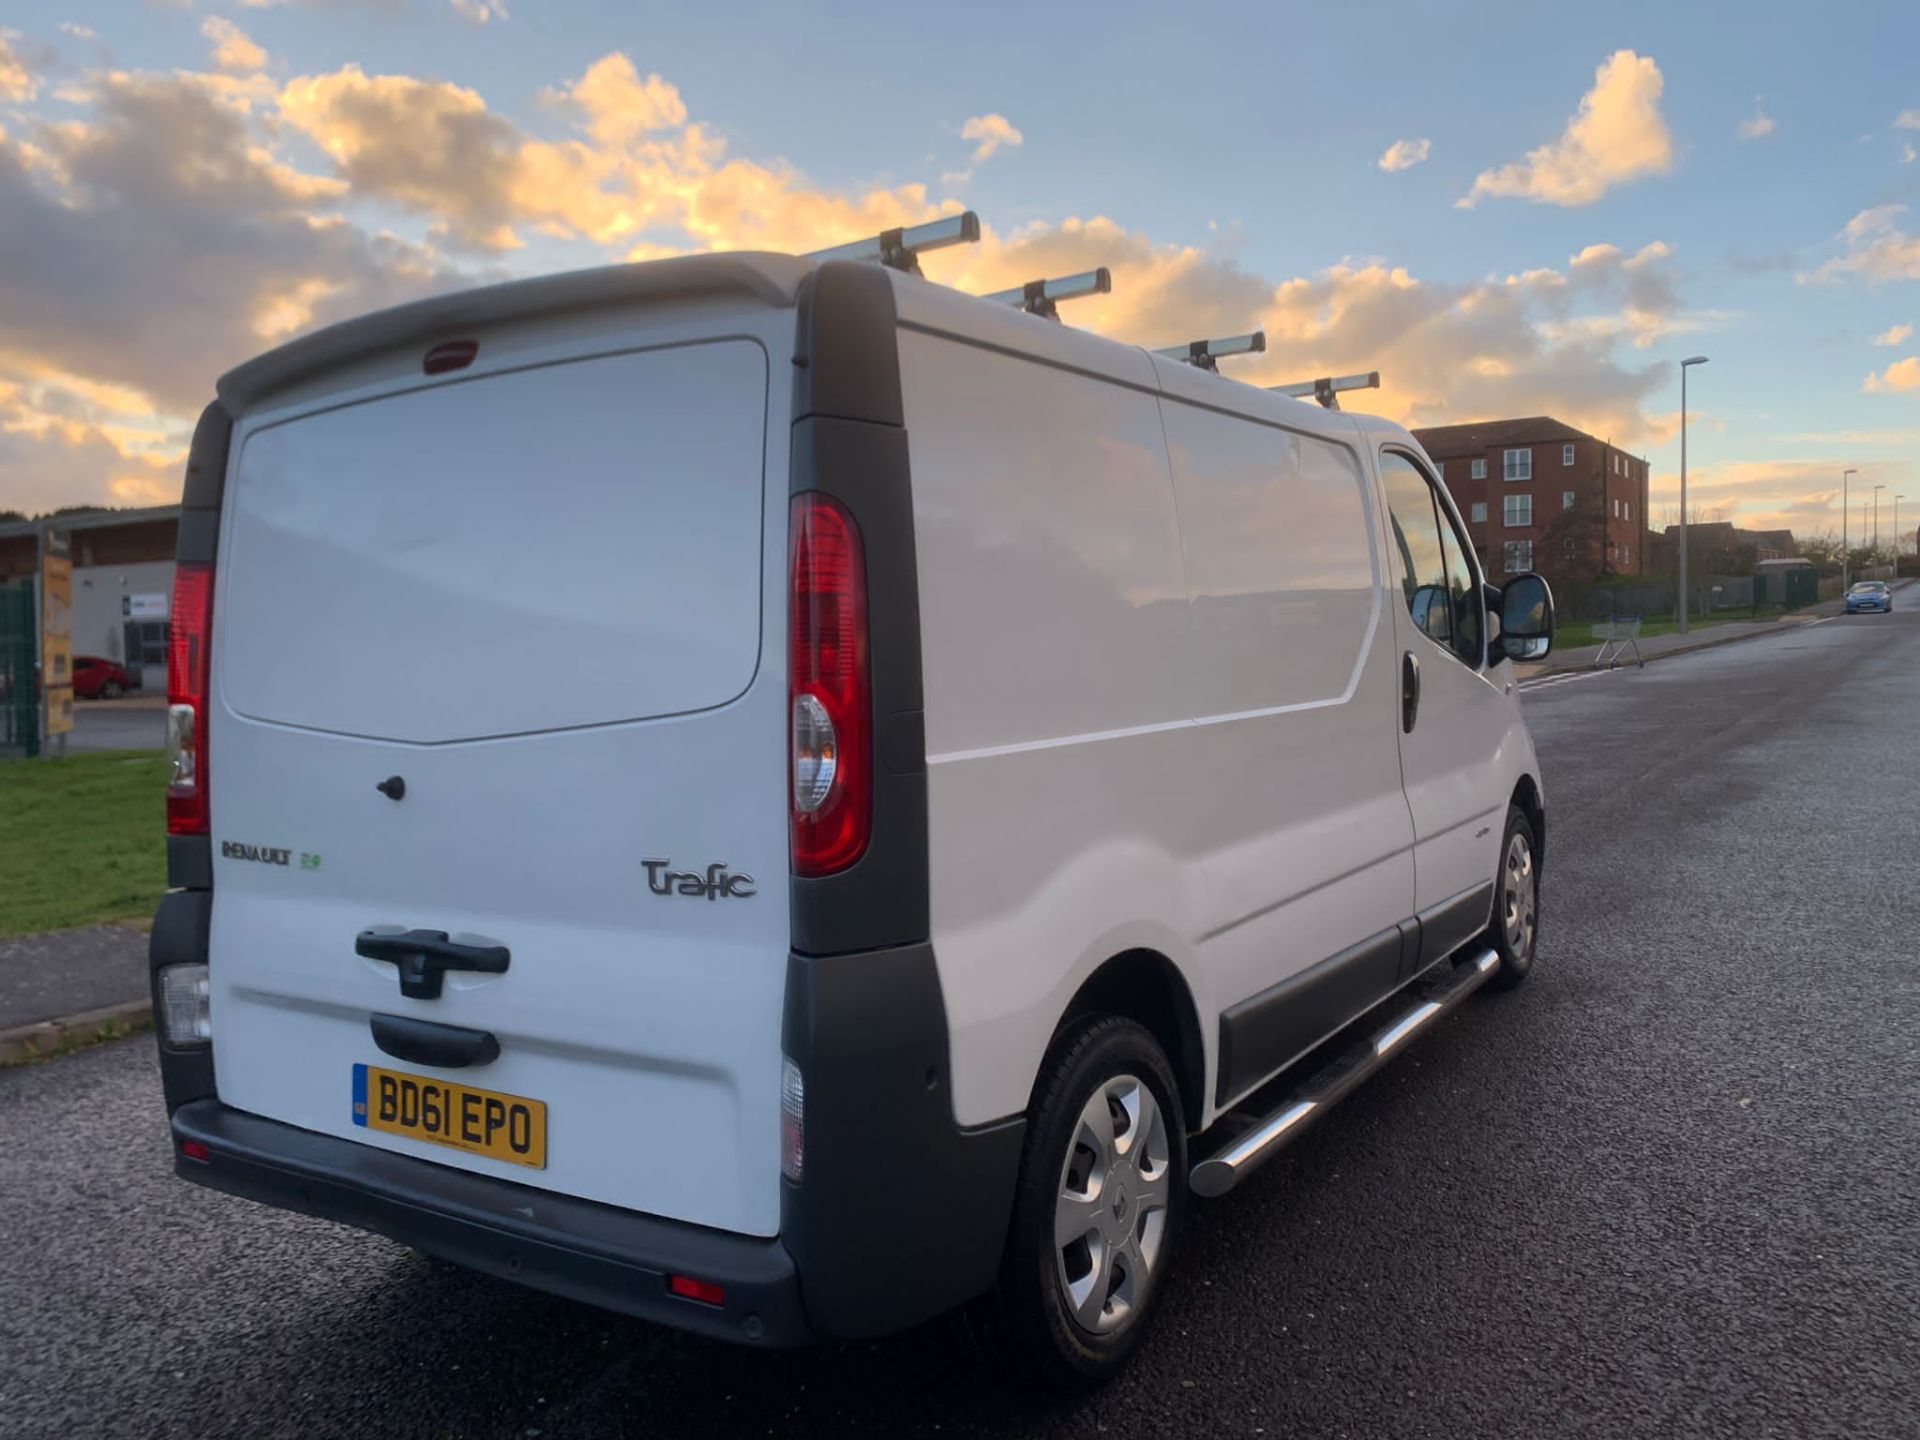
1097	1213
1515	930
110	690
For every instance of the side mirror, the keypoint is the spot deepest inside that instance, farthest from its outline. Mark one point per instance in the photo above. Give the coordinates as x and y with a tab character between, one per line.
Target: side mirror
1526	618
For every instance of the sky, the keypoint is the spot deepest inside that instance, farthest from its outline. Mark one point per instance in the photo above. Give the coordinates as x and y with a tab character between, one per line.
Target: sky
1506	209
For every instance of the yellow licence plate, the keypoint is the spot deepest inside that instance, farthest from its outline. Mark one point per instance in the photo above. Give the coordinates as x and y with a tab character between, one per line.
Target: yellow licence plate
481	1122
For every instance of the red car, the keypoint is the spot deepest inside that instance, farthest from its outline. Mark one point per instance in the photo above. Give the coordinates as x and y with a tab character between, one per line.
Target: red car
98	679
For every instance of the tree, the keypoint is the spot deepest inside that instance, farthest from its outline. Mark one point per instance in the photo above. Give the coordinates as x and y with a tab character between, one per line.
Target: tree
11	517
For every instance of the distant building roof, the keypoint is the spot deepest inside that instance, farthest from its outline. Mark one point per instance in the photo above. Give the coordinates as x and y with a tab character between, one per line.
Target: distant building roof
1443	442
91	520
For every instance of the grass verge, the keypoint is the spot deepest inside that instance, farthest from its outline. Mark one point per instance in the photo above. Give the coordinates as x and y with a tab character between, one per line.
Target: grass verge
82	840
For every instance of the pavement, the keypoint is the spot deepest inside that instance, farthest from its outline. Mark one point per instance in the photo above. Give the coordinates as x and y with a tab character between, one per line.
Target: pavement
1724	632
137	722
1666	1188
45	977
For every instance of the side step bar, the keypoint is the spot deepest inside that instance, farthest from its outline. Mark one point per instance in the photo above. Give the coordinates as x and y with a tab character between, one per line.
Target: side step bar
1320	1092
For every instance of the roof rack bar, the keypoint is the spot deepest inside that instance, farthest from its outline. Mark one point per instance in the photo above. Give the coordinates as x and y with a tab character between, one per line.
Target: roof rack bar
901	248
1328	387
1043	297
1203	354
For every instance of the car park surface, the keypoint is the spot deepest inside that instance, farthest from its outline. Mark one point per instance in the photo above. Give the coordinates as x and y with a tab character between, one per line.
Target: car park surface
1659	1190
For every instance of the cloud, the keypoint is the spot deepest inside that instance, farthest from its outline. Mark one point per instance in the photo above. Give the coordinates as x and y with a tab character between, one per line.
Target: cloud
1877	249
1907	120
434	148
993	131
149	248
1405	154
77	30
166	235
1759	126
1801	495
17	83
618	104
1893	335
232	50
479	12
1897	378
1618	135
1908	154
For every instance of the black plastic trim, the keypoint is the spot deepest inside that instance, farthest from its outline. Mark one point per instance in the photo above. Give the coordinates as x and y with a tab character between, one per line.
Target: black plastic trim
900	1214
179	937
585	1251
1265	1033
848	443
189	862
1445	927
204	487
425	1042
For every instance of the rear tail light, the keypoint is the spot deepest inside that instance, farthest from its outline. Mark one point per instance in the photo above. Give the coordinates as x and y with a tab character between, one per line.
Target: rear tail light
793	1121
829	691
194	1150
185	1015
187	668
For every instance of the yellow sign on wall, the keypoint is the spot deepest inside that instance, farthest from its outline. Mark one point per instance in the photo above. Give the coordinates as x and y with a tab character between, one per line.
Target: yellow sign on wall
56	634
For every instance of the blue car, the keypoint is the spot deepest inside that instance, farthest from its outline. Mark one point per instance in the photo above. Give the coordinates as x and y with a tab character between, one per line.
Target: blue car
1870	595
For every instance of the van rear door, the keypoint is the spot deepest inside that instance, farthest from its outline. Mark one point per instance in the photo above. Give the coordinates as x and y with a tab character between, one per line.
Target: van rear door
491	662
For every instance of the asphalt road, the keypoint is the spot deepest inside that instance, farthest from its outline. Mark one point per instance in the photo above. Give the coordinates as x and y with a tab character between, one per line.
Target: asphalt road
1667	1188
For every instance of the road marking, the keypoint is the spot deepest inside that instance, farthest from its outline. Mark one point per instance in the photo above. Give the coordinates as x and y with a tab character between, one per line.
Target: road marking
1542	682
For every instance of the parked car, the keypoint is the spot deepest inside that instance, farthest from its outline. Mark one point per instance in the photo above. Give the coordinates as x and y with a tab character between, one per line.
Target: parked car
97	678
1870	595
1031	752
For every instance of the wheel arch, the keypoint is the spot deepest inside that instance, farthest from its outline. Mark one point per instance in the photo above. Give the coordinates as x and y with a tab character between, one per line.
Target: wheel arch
1526	794
1147	987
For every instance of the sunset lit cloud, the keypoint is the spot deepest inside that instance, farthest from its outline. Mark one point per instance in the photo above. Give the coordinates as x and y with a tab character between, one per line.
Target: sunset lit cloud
1618	135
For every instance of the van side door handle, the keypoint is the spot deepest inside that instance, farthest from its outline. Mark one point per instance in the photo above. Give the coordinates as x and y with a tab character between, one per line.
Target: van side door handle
425	956
1409	691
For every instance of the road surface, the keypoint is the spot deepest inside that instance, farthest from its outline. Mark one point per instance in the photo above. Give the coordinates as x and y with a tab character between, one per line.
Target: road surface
1669	1187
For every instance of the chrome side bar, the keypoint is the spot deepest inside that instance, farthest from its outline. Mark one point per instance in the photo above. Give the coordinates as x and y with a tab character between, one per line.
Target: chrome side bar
1219	1173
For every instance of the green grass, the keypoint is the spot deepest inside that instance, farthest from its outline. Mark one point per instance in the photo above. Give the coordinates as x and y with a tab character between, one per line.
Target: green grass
82	840
1575	633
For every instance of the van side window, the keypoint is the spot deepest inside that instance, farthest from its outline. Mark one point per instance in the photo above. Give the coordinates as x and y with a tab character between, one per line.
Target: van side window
1416	538
1435	572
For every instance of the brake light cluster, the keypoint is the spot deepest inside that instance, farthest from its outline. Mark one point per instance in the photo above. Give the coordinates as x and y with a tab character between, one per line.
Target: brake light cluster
829	691
188	644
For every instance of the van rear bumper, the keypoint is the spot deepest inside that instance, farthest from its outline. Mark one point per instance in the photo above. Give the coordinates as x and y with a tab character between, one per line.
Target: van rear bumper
585	1251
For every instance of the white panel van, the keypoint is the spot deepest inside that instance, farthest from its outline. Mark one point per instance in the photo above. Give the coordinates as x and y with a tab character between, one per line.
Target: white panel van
780	798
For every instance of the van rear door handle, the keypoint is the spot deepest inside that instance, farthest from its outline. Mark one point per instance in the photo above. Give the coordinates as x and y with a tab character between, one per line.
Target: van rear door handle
1409	691
425	956
450	1047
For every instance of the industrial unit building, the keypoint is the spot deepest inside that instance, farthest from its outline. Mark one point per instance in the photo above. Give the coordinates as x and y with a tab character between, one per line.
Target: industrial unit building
122	581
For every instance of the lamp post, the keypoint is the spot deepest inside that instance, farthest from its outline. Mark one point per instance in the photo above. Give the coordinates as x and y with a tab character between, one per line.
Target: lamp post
1896	535
1684	364
1876	523
1846	573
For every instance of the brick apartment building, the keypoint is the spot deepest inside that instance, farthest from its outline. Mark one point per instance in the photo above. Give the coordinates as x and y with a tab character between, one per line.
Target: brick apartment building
1538	494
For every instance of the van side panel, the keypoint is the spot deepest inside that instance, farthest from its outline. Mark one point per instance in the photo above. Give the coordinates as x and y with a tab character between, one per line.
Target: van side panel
1294	761
1053	611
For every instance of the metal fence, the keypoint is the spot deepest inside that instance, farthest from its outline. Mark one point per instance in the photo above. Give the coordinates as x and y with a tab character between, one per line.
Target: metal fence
19	688
1707	595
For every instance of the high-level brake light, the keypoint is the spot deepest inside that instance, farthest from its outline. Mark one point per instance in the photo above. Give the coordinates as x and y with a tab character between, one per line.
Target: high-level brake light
830	698
188	646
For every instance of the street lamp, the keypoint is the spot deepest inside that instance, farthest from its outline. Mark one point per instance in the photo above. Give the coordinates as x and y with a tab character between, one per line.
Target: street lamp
1692	360
1896	535
1876	522
1846	573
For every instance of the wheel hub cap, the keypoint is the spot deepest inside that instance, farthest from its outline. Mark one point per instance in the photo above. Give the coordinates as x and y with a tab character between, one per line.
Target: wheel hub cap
1110	1216
1518	894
